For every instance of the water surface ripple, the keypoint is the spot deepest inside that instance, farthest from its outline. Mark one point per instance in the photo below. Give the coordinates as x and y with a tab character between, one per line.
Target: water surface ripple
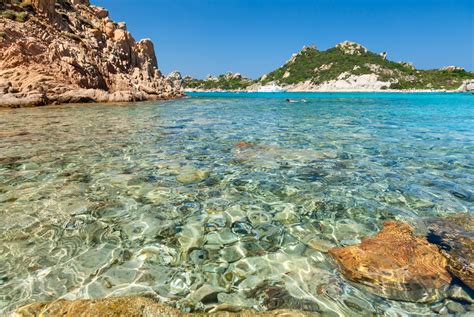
159	198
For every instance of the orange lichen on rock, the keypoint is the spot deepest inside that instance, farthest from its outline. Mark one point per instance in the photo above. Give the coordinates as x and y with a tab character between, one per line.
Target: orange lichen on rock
395	264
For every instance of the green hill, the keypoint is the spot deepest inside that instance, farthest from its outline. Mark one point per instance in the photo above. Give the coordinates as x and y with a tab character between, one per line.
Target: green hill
346	61
227	81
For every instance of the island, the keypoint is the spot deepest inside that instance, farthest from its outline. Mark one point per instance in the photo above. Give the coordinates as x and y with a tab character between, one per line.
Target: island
348	66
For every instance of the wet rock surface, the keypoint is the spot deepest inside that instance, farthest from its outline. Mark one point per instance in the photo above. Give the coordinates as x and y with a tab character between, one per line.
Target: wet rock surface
125	306
274	296
130	307
72	52
395	264
455	237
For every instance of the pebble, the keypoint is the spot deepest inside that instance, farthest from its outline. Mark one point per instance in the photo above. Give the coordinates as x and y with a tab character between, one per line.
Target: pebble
320	245
198	256
259	217
459	294
241	228
233	253
236	300
222	237
191	176
207	293
455	307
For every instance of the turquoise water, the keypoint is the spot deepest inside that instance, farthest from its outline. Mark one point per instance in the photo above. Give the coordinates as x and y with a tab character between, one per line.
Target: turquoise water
161	198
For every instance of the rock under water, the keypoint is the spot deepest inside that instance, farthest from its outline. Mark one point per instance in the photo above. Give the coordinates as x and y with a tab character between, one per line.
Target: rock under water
131	307
396	264
455	236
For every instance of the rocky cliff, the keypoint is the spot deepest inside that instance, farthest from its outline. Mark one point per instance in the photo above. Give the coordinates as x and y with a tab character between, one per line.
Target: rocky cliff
61	51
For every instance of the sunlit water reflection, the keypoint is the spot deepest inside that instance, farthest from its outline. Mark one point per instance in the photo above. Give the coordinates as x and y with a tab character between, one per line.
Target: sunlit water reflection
157	199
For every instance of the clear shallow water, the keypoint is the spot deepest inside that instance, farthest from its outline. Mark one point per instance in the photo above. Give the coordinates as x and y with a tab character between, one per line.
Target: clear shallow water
157	199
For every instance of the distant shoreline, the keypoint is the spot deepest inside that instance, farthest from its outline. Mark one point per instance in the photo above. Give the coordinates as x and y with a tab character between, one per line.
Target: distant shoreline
326	91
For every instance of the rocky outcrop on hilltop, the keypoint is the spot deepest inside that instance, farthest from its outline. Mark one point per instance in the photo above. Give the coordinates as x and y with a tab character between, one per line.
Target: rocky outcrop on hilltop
351	48
70	51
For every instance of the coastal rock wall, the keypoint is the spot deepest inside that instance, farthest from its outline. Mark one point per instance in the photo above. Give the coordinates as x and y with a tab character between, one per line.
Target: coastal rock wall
69	51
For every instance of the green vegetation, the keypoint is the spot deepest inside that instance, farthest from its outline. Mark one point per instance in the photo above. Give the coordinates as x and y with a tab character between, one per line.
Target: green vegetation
3	35
317	67
224	82
15	16
435	79
22	3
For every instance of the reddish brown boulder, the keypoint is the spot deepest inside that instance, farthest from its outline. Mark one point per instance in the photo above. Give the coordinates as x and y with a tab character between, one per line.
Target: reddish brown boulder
396	264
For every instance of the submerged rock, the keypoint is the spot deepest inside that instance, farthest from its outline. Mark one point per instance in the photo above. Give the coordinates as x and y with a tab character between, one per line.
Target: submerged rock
457	293
320	245
134	307
191	176
396	264
207	293
244	145
455	236
274	296
121	306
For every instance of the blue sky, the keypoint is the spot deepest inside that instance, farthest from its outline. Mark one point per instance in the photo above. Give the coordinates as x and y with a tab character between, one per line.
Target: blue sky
253	37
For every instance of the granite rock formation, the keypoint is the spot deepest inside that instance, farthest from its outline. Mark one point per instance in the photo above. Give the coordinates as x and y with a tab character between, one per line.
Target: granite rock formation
70	51
396	264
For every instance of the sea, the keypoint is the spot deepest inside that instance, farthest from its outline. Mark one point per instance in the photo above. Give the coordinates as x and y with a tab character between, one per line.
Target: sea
238	192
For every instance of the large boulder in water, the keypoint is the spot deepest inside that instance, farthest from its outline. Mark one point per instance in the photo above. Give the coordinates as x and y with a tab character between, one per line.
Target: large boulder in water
396	264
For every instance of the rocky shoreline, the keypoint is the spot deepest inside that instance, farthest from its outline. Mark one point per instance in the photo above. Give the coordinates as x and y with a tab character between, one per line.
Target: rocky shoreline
55	52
